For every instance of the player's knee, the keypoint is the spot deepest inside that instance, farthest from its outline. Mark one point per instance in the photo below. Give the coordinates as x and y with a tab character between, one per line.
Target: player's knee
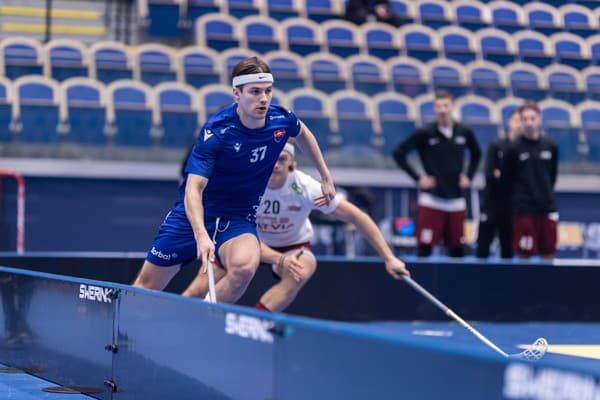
241	275
423	250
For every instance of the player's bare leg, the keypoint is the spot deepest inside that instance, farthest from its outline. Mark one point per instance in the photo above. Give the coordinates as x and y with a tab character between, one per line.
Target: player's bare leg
152	276
199	286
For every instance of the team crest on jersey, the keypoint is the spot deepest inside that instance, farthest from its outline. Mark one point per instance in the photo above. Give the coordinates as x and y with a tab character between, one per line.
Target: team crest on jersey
278	135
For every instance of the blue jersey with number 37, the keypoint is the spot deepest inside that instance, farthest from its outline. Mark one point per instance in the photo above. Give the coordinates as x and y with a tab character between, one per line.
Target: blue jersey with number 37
237	161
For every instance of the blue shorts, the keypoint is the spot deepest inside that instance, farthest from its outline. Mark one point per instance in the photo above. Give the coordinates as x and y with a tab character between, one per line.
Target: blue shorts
172	247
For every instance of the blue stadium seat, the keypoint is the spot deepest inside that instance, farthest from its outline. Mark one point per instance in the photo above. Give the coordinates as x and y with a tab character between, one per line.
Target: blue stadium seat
593	44
302	36
284	9
559	124
198	66
487	79
229	58
327	72
577	20
217	31
471	15
84	110
565	83
496	46
37	100
571	49
419	42
21	56
381	40
526	81
244	8
409	76
66	59
314	109
163	17
110	61
405	9
448	75
6	102
322	10
396	116
341	38
154	63
591	76
198	8
424	108
177	105
130	111
507	16
435	13
213	98
534	48
288	68
479	114
354	120
261	34
458	44
588	113
368	74
543	18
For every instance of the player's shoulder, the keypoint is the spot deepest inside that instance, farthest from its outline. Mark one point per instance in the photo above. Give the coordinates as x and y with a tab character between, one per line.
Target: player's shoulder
221	119
279	113
547	142
302	183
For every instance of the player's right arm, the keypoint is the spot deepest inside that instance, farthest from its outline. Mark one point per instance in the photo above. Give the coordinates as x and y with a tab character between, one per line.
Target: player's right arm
195	213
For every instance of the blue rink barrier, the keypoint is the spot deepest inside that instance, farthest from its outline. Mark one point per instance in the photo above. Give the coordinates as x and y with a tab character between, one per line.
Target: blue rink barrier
135	344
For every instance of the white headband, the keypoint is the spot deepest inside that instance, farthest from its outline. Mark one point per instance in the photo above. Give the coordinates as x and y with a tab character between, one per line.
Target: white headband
262	77
289	148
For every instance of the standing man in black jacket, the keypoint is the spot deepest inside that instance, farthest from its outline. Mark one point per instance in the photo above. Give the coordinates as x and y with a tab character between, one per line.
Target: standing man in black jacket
496	210
532	169
442	206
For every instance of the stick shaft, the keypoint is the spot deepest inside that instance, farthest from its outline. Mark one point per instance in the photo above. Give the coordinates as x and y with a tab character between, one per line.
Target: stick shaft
451	314
212	290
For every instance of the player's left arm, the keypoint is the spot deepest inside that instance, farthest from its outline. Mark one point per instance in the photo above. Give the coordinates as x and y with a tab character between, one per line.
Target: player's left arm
308	144
475	154
348	212
554	171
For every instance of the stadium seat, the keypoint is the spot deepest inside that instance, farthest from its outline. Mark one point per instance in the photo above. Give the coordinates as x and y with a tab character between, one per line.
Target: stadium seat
591	76
577	20
496	46
479	114
588	113
409	76
323	10
419	42
341	38
434	13
213	98
66	58
396	116
261	34
571	49
424	108
154	63
526	81
21	56
471	15
368	74
560	124
229	58
327	72
244	8
565	83
381	40
448	75
314	109
217	31
198	66
288	68
487	79
129	113
405	9
198	8
283	9
163	17
507	16
176	108
534	48
6	102
83	109
302	36
593	44
354	120
458	44
37	109
110	61
543	18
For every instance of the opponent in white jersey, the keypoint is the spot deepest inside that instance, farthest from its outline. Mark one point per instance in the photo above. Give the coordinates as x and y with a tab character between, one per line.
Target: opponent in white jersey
285	233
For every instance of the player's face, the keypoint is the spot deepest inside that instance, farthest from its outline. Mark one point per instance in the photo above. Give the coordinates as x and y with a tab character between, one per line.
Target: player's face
531	121
281	169
514	126
253	102
443	111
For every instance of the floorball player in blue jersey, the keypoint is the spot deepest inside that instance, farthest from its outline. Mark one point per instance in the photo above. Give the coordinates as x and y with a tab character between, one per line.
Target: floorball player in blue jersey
226	175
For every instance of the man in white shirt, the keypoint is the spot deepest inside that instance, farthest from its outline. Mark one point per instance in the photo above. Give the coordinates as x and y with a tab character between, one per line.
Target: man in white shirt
285	232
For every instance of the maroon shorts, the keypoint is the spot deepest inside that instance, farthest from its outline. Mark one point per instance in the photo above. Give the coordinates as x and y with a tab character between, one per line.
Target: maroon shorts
534	234
435	225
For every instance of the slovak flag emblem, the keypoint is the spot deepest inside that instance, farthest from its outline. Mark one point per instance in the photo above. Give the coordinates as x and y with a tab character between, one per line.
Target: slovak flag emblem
278	135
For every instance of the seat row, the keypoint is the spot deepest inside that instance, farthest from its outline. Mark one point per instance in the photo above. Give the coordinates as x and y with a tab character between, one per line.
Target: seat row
37	110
